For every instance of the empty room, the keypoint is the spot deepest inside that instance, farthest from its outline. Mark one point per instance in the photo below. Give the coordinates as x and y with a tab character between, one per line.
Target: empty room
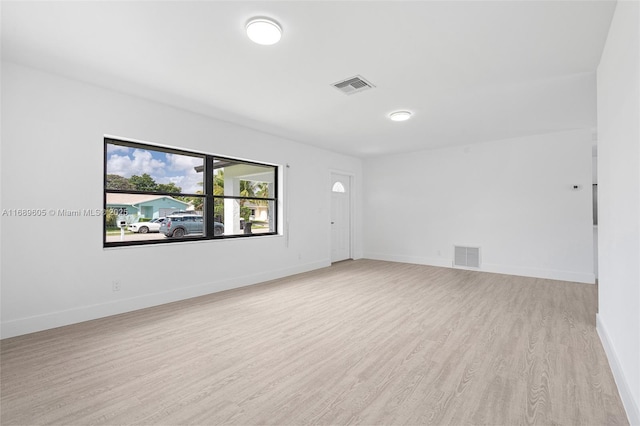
320	212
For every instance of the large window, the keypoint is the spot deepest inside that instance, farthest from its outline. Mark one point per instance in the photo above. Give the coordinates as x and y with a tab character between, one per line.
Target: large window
157	195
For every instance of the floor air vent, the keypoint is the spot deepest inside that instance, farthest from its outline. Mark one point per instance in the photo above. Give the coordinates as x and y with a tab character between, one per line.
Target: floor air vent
468	257
353	85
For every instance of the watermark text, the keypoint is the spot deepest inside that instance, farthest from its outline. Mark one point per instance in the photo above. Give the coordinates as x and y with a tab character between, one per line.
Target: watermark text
62	212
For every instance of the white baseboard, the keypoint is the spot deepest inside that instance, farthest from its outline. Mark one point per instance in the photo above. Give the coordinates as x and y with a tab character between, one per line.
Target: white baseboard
551	274
629	402
417	260
587	278
47	321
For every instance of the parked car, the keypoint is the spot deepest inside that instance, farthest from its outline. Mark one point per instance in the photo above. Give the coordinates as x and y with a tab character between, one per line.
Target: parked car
218	228
144	227
181	225
192	212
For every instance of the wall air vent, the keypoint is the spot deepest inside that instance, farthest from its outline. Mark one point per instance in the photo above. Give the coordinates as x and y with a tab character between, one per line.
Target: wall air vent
353	85
468	257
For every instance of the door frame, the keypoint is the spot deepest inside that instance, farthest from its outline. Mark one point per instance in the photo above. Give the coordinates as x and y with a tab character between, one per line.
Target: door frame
352	208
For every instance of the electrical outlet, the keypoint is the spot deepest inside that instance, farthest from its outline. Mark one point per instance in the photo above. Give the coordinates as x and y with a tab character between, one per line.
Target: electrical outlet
116	285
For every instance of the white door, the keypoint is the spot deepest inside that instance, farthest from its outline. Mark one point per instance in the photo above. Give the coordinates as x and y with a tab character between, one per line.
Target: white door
340	217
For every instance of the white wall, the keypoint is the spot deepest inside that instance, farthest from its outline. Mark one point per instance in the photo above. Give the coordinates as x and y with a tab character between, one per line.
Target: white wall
513	198
619	202
55	270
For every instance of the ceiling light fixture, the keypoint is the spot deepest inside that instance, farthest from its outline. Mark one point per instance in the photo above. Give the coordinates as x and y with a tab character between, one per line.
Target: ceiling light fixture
264	31
400	115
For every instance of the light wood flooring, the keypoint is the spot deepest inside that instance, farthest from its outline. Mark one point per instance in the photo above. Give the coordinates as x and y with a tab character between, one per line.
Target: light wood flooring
361	342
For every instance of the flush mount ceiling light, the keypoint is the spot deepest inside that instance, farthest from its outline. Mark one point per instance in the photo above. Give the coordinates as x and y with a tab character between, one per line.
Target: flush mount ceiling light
264	31
400	115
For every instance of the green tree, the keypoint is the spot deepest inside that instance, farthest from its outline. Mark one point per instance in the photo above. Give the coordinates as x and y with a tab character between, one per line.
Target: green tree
196	202
218	183
168	187
118	182
218	189
111	217
143	183
247	188
262	189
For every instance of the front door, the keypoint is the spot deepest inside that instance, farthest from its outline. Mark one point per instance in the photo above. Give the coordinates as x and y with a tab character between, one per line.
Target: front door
340	217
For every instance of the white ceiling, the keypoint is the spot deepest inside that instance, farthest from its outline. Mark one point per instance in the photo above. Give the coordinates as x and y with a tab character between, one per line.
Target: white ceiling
470	71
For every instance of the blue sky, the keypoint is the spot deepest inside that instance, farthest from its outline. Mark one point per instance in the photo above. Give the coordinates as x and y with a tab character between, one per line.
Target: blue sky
161	166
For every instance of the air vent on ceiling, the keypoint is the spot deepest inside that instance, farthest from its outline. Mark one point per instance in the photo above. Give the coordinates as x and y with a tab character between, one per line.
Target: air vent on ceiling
468	257
353	85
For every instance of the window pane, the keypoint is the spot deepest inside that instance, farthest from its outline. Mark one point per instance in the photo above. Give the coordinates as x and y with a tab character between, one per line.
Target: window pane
237	179
143	221
138	169
242	216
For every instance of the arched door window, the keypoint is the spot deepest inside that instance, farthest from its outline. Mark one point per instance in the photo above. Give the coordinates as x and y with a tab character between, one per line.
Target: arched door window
338	187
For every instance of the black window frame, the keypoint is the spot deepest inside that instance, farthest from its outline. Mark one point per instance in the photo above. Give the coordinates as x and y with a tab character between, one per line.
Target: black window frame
207	195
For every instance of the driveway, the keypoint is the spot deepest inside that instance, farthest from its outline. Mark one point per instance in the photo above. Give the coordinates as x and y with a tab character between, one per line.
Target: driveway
136	237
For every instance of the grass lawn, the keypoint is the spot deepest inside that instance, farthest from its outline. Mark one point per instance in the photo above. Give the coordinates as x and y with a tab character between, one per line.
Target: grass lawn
116	231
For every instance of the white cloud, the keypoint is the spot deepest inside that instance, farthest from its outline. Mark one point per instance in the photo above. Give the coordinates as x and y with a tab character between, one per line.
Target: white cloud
119	165
142	162
118	148
178	162
190	182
